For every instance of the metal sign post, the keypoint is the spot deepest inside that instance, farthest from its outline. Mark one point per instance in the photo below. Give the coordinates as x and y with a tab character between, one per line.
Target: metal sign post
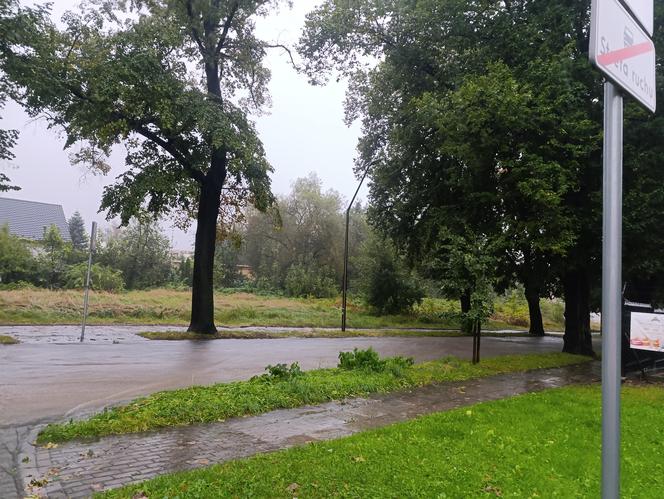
93	237
611	290
622	50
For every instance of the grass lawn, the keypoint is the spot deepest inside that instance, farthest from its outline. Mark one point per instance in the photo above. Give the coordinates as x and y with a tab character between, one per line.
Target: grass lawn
7	340
205	404
545	444
165	306
304	333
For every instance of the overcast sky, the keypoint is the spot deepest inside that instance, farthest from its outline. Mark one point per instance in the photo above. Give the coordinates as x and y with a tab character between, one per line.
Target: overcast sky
304	132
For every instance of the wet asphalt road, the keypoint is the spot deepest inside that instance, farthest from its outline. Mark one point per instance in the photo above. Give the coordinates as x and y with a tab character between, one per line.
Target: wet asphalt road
47	381
50	376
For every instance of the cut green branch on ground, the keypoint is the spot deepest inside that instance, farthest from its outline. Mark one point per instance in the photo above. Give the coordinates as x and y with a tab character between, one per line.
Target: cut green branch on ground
312	333
206	404
543	444
7	340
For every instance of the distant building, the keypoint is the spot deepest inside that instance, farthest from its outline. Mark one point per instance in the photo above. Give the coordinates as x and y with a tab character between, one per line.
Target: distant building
28	219
245	271
178	255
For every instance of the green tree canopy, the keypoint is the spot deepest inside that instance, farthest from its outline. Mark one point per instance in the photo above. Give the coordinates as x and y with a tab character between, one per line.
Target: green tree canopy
16	261
141	252
485	117
53	258
11	27
308	234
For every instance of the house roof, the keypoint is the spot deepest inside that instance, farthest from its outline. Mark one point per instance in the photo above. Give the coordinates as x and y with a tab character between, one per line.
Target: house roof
28	218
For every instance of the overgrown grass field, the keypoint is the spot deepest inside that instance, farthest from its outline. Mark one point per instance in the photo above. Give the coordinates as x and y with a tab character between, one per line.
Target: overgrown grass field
164	306
206	404
545	444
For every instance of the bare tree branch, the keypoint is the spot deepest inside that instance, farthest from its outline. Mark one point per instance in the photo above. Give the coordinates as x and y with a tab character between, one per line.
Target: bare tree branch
227	27
172	149
194	32
284	48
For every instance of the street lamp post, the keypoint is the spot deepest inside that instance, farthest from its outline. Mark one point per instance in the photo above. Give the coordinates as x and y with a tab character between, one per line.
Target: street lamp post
344	293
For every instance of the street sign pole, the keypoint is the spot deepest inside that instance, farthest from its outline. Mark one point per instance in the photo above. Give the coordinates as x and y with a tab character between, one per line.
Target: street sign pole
622	49
611	290
93	237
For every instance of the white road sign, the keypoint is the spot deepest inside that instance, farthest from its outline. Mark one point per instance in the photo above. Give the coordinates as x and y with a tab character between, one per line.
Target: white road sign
623	51
643	11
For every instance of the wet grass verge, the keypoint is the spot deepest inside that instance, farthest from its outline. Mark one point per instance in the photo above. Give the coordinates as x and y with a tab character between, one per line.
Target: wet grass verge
207	404
544	444
311	333
7	340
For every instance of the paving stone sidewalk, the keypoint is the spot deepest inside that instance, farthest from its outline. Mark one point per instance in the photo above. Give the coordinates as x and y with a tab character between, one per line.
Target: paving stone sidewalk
80	469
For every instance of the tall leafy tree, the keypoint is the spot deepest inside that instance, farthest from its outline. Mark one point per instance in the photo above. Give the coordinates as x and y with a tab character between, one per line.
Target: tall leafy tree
7	141
643	210
308	234
486	116
226	261
11	28
53	259
172	80
141	251
527	173
185	271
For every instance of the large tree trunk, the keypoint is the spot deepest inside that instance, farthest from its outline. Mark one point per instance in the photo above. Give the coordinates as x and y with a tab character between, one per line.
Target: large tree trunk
577	337
202	296
465	302
534	310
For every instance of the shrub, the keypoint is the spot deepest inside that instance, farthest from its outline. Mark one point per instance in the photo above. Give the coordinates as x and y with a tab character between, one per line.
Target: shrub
305	281
14	286
360	359
369	360
512	308
389	287
280	372
392	292
553	311
435	310
16	261
102	278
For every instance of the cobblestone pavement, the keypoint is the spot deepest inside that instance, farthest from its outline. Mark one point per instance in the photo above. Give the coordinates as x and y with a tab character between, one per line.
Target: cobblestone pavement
10	446
79	469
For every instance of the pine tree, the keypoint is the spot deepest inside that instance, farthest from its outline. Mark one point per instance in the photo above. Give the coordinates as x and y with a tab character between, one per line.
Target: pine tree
79	238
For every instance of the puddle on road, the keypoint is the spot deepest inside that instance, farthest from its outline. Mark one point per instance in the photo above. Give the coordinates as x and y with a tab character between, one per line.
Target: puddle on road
72	334
65	334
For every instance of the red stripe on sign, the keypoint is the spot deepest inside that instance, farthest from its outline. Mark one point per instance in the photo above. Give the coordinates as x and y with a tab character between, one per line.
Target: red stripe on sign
626	53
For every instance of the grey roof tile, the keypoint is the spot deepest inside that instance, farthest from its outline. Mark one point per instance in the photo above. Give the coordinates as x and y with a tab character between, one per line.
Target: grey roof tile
28	218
